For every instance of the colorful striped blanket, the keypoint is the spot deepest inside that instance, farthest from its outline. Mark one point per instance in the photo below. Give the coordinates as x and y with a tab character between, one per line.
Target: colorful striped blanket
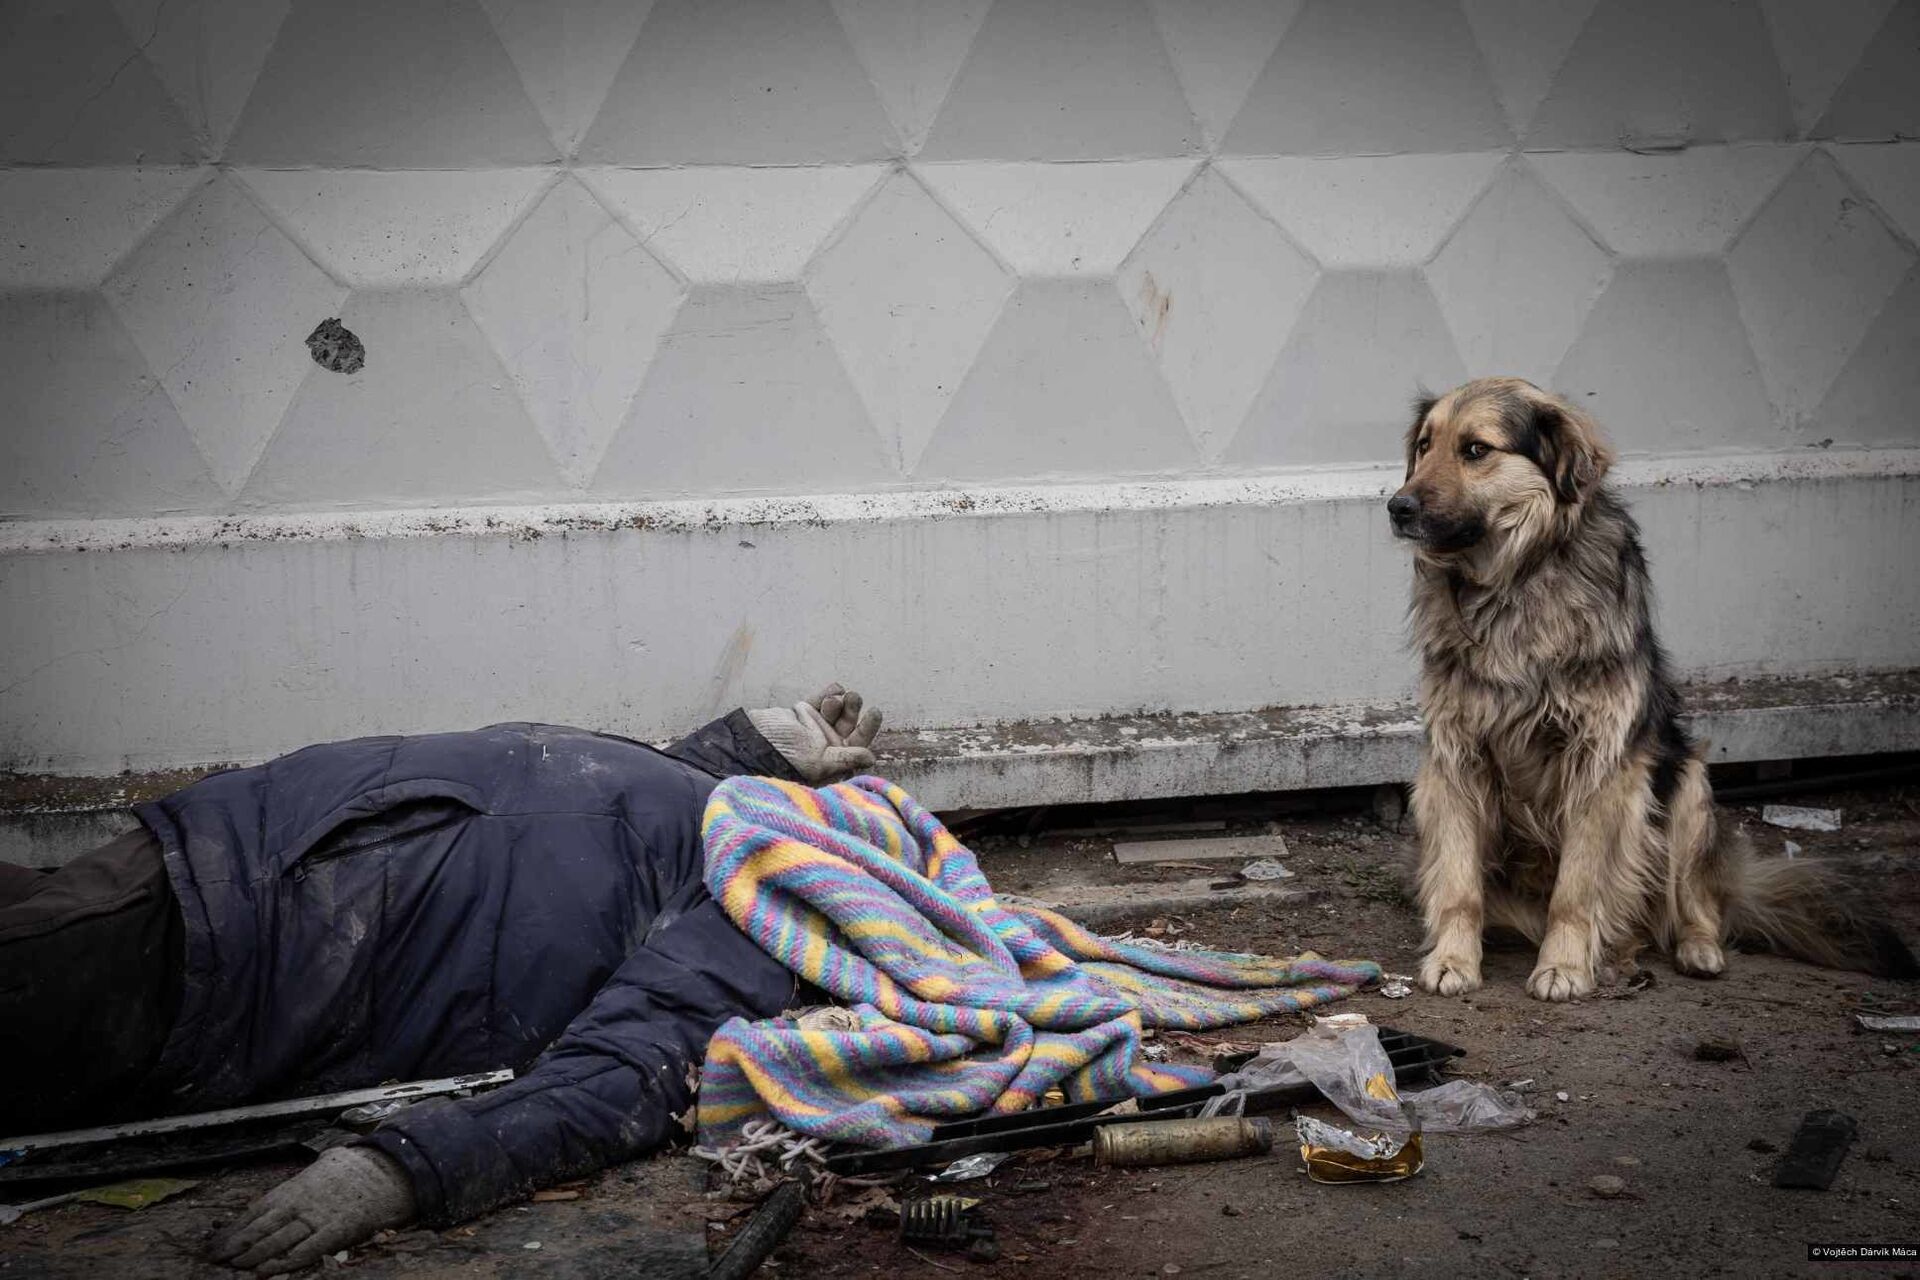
965	1004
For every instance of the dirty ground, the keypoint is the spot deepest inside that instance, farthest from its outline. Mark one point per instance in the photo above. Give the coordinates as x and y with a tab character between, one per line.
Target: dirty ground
1682	1091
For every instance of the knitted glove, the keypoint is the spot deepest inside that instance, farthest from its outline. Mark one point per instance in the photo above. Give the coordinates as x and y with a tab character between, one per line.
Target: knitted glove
337	1201
826	738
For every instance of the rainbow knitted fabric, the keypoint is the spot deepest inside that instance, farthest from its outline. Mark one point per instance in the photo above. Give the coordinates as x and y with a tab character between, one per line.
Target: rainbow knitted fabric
965	1004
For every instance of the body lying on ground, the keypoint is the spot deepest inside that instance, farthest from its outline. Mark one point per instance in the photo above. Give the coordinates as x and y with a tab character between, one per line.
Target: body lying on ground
523	896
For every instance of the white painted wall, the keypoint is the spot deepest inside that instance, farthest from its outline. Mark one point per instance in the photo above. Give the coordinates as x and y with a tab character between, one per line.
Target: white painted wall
1075	329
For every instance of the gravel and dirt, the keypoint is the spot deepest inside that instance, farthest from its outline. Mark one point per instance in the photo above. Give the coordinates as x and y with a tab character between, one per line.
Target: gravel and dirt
1621	1083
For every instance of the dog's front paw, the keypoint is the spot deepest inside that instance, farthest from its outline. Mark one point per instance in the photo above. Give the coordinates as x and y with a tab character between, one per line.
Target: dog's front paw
1701	957
1559	984
1449	975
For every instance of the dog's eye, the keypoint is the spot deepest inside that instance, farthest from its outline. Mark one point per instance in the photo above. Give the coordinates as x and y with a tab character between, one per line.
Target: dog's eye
1477	450
1423	446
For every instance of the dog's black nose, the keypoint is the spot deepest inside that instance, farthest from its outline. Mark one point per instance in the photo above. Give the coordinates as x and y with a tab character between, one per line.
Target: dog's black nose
1403	507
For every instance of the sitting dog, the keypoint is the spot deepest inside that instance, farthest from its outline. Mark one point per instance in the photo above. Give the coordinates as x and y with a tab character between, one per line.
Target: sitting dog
1559	794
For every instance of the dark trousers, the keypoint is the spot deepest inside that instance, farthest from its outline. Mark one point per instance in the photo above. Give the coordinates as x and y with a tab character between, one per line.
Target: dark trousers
92	957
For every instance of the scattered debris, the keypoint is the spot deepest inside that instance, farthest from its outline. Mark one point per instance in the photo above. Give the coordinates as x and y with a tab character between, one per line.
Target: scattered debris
829	1017
1561	1095
763	1233
948	1222
1337	1155
411	1091
1712	1049
137	1194
971	1167
1902	1022
336	348
1214	849
1181	1141
1606	1185
12	1213
1819	1145
1791	849
1357	1066
1796	818
1396	986
1265	869
531	1244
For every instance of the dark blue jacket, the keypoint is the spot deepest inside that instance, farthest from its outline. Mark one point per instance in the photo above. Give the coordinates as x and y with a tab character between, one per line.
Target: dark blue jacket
525	896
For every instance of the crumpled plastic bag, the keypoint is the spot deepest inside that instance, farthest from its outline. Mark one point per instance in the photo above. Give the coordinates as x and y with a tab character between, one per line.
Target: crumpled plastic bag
1348	1065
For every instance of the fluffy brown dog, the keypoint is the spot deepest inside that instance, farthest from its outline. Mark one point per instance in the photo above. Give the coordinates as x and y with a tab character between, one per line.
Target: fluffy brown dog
1559	794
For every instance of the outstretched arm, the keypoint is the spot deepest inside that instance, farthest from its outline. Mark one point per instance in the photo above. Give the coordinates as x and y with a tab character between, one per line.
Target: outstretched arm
613	1086
823	739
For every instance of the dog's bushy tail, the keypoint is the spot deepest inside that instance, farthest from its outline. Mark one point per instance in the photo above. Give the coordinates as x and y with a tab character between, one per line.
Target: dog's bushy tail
1805	907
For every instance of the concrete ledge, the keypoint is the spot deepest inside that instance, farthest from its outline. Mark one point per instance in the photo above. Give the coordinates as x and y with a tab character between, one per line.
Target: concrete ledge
45	819
1298	748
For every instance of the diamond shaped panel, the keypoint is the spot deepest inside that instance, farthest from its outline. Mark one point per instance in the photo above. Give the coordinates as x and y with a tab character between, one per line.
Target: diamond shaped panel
74	90
207	53
1214	288
727	225
1872	400
1364	343
1877	100
1366	211
746	395
1517	278
89	432
1664	362
1650	73
1064	388
389	84
1688	204
907	296
740	82
912	50
221	303
430	419
567	53
1065	80
575	309
65	228
1059	220
1810	273
1371	77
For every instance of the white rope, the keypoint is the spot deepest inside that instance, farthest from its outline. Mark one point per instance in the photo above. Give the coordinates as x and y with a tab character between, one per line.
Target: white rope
762	1141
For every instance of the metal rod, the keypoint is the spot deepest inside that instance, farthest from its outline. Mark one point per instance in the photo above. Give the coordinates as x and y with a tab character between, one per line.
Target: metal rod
263	1111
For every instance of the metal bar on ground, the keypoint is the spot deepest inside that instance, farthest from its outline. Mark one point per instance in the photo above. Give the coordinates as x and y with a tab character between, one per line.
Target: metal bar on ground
263	1111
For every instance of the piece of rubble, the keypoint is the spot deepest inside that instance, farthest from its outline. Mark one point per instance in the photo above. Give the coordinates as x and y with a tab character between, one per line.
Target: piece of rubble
1214	849
1606	1185
1265	869
1796	818
1819	1145
1717	1049
1901	1022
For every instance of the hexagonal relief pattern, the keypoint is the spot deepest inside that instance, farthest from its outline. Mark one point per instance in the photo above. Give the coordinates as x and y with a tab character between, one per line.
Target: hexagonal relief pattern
609	250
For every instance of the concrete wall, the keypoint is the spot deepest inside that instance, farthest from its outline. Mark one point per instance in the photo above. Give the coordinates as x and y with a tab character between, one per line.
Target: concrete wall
1014	358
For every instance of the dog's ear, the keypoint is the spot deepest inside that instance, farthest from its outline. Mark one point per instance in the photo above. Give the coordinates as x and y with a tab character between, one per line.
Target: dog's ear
1571	452
1422	406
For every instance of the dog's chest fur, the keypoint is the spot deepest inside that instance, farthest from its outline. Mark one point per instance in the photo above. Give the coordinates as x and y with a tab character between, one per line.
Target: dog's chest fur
1542	697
